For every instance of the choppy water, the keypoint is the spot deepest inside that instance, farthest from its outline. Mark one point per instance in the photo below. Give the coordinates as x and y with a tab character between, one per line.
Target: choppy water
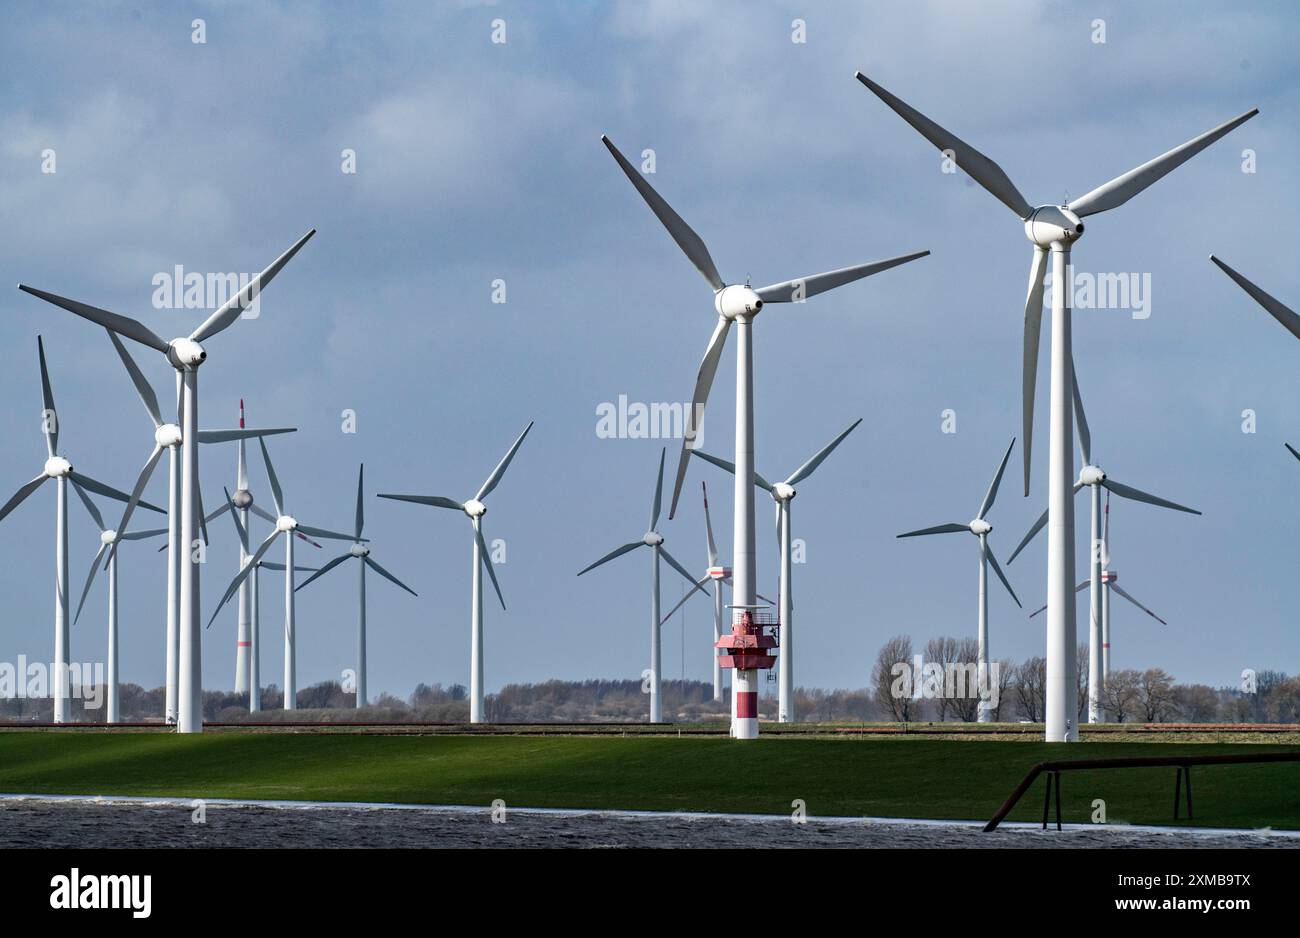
32	822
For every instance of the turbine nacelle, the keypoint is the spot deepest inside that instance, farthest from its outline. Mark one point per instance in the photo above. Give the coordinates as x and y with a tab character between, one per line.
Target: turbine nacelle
735	300
359	550
653	538
980	526
286	523
243	498
185	353
1053	224
783	492
107	538
56	467
1091	475
167	435
475	508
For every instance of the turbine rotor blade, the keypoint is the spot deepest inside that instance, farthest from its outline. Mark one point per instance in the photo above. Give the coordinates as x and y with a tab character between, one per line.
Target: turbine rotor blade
657	504
142	386
1117	588
262	513
21	495
1038	526
322	571
361	510
1029	367
793	291
1127	491
91	508
1085	437
500	470
809	467
276	494
939	529
692	245
700	396
691	592
374	565
122	325
243	574
233	307
227	436
99	488
437	501
51	422
993	562
1287	317
731	467
329	535
992	493
487	563
239	525
616	552
672	562
978	166
708	525
1122	188
90	578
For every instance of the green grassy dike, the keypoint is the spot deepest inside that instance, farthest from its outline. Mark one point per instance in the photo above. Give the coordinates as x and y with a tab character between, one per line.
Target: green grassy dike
918	778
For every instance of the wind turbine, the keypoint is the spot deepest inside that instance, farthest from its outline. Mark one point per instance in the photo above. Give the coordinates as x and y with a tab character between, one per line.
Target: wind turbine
655	541
782	494
361	552
1094	478
107	538
719	574
737	304
289	525
981	528
185	355
60	470
1053	228
1108	578
474	509
168	436
254	633
1284	315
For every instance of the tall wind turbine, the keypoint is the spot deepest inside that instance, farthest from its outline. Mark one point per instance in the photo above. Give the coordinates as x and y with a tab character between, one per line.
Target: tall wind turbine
1053	228
1094	478
254	631
1108	578
474	509
361	552
655	541
107	538
185	355
737	304
981	528
719	574
168	436
288	525
60	470
783	493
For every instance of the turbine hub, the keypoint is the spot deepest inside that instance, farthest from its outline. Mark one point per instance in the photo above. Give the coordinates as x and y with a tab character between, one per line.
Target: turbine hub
475	508
783	492
653	538
1053	224
359	550
56	467
980	526
1109	576
1091	475
243	498
185	354
285	523
736	300
167	435
107	537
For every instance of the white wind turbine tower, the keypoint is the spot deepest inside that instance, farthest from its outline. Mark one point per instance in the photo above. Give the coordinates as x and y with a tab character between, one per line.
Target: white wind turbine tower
289	525
474	509
740	305
361	552
1094	478
185	355
1108	578
783	494
655	541
254	631
981	529
1053	228
168	436
107	538
60	470
719	574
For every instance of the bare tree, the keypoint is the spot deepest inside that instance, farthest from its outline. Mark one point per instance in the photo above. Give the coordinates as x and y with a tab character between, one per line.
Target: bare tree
1157	701
1031	689
942	652
893	695
1006	674
1198	703
1081	682
1120	694
964	699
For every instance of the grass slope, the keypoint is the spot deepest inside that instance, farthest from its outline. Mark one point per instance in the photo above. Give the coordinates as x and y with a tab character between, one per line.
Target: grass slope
921	778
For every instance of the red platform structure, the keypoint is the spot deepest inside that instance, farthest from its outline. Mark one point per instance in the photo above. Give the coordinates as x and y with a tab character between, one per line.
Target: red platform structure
751	644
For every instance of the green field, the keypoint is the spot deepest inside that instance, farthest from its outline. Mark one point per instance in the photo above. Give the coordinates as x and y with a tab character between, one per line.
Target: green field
922	778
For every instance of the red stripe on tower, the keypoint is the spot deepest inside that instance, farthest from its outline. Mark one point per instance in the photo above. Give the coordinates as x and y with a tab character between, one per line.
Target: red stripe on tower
241	413
747	705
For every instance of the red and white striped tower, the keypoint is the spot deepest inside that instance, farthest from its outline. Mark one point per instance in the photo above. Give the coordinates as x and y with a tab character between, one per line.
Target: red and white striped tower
243	635
747	650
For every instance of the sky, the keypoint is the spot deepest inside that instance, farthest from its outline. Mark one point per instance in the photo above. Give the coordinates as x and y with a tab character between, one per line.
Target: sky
479	161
